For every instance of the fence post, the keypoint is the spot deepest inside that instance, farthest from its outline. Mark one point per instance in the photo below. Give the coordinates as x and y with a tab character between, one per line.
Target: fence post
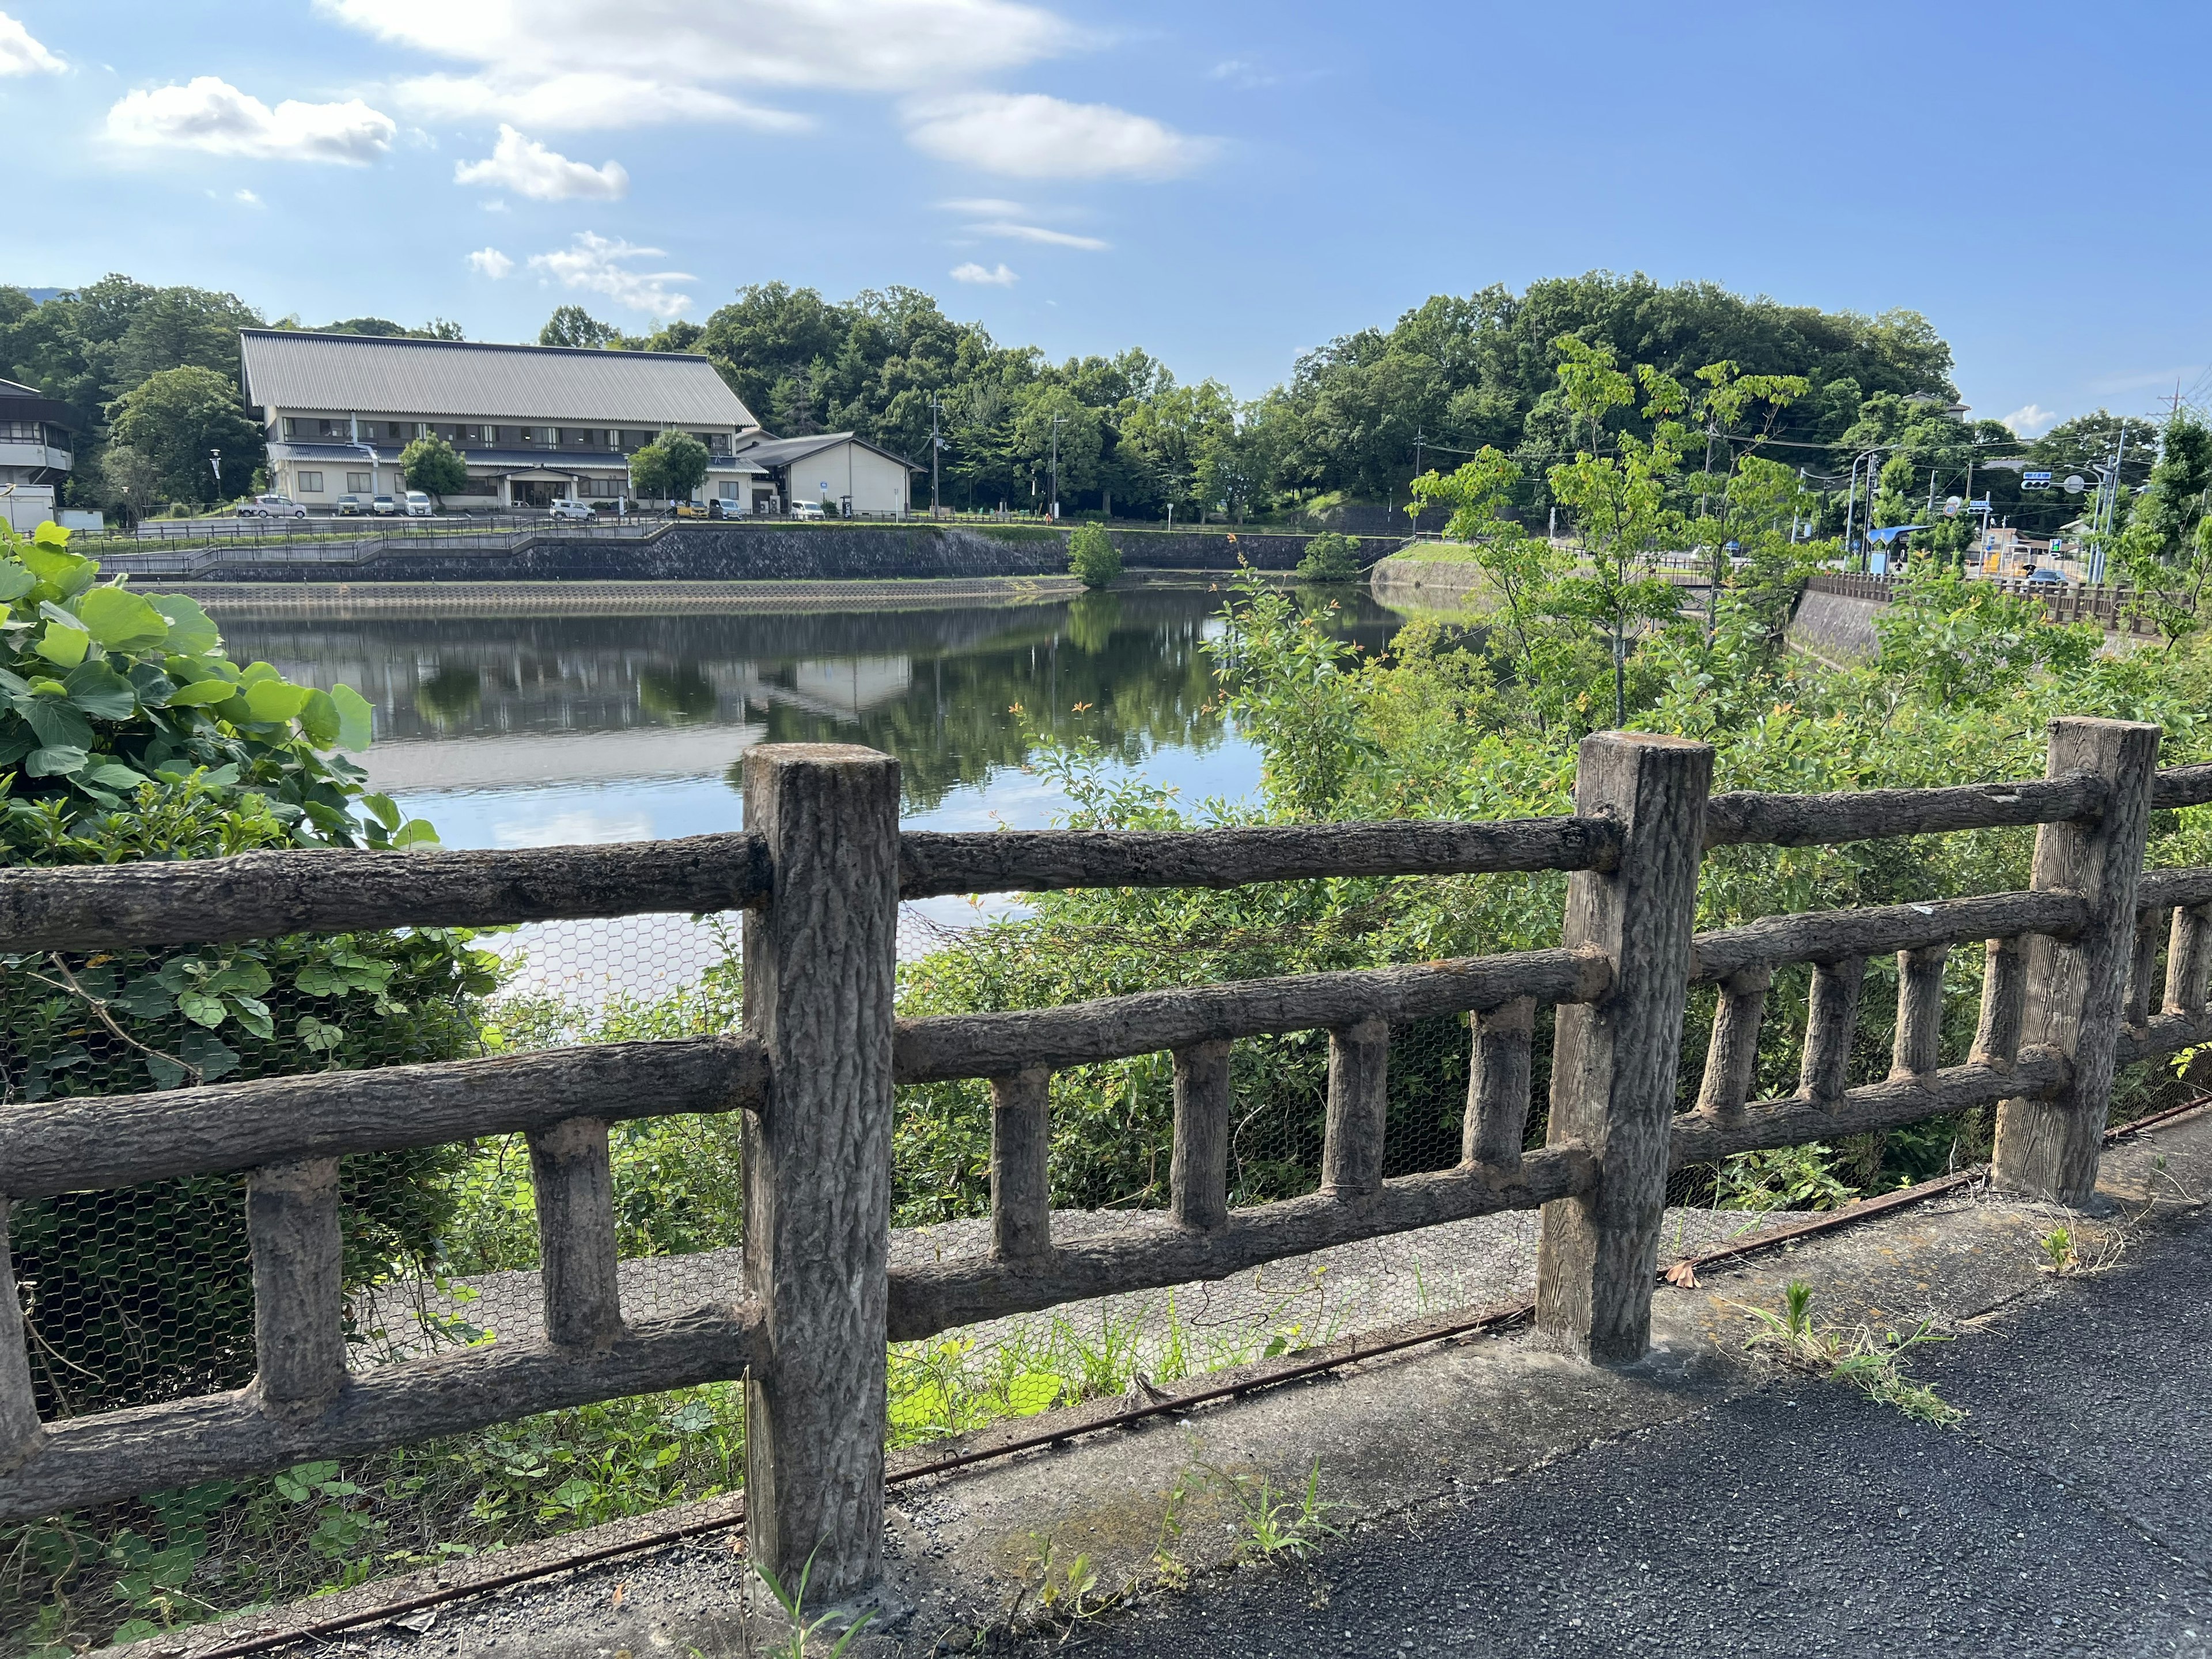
1614	1061
2077	988
1359	1109
1021	1177
1198	1169
19	1408
298	1305
819	960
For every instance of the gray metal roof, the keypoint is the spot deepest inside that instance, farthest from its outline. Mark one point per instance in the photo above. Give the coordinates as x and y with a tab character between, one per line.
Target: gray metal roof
558	459
370	375
782	452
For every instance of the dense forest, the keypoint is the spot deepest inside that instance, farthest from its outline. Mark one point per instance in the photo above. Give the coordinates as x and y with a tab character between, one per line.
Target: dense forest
155	370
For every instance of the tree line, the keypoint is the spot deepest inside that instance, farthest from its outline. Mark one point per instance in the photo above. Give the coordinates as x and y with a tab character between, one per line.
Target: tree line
154	373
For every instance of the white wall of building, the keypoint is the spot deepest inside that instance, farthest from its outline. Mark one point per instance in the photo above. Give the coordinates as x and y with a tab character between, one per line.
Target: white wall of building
876	484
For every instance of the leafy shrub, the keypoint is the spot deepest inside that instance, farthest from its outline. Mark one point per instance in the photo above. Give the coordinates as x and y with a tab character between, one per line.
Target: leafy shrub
125	733
1331	558
1092	555
435	467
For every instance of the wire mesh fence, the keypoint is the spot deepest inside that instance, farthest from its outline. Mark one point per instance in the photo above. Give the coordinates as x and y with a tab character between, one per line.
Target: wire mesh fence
143	1295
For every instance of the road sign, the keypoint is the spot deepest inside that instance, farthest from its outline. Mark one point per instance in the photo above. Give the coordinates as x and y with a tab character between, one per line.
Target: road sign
2076	483
2035	481
1951	506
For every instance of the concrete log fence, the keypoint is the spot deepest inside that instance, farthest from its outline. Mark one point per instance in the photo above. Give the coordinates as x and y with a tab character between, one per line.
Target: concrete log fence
2100	964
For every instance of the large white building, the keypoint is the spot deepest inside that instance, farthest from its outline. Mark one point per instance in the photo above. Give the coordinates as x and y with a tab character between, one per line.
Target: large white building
841	473
535	423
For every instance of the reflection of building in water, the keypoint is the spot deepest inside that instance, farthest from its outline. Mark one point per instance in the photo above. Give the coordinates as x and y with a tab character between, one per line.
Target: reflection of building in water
850	686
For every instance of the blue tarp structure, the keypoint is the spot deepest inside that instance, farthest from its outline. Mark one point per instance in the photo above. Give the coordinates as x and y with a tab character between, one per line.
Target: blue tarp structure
1891	532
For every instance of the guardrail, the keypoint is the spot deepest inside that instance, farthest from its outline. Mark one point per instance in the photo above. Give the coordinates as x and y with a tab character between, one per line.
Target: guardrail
2113	609
2069	992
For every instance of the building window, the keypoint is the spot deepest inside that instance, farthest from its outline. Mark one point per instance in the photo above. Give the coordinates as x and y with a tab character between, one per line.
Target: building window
311	484
357	483
729	490
290	426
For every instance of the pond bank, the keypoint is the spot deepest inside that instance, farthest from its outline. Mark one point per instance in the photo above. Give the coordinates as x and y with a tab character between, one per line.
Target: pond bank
345	600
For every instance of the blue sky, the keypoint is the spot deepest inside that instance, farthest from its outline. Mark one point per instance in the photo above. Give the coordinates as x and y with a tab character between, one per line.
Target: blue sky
1224	184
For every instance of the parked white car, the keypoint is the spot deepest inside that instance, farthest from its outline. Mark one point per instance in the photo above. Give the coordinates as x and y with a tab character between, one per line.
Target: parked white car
807	509
574	511
271	506
418	505
383	507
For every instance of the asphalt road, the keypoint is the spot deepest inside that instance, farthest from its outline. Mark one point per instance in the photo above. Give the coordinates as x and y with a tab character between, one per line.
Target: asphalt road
2072	1515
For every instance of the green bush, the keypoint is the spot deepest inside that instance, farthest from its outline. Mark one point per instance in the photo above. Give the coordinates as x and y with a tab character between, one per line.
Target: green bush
1092	557
125	734
435	467
1331	558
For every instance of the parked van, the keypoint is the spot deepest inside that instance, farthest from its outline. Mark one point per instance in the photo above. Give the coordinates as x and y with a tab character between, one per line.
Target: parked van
418	505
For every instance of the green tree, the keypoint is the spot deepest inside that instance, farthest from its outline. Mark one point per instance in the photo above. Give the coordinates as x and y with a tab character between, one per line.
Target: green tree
1092	555
670	468
573	325
1330	557
2165	548
1619	503
131	481
435	467
176	416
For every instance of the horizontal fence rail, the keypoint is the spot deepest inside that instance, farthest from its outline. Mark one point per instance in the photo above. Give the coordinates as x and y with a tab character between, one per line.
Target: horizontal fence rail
2072	987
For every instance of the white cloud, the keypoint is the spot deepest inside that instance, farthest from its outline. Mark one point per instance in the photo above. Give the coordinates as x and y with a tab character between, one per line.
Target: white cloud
661	60
246	198
579	102
972	272
490	262
1038	234
1030	136
2031	421
985	207
528	168
1241	74
210	114
597	264
19	54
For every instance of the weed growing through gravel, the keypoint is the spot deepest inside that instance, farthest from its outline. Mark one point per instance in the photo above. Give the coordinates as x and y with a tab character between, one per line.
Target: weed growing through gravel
1869	1363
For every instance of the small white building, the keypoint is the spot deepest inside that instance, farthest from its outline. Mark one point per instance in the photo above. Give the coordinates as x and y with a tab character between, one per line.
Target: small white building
534	423
837	471
37	437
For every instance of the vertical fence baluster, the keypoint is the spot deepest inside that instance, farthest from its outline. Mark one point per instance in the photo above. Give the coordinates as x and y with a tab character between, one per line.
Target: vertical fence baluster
2189	962
820	957
1614	1060
1021	1142
2004	1003
1497	1084
1198	1177
572	1178
1732	1056
1358	1103
299	1293
2142	966
2048	1147
1917	1050
1831	1015
19	1407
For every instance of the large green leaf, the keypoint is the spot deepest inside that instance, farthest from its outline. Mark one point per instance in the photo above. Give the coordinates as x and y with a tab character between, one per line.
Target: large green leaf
58	726
100	691
319	719
114	775
355	721
66	573
63	646
191	630
199	696
55	760
273	700
15	581
121	620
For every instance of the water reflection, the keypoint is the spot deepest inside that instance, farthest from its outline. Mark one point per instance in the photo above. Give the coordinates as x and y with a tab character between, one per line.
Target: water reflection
518	730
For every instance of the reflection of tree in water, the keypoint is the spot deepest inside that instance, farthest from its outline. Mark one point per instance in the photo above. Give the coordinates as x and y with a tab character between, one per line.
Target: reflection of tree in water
449	696
679	693
1092	619
1130	690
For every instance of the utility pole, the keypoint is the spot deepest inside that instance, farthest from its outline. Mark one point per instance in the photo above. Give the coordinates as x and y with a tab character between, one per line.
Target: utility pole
1056	420
935	444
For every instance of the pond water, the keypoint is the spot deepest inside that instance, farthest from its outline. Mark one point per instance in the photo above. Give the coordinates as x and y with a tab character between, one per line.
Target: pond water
510	730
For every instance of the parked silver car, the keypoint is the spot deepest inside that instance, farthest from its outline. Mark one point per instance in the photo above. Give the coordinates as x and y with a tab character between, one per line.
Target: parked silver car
571	510
271	506
383	507
418	505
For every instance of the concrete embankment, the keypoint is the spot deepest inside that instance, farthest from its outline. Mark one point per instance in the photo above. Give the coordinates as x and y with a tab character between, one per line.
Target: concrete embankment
1409	583
346	600
704	553
1835	629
